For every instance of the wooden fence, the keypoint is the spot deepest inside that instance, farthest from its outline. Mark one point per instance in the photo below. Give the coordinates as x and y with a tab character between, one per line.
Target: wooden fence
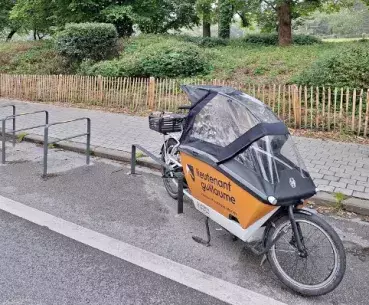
331	109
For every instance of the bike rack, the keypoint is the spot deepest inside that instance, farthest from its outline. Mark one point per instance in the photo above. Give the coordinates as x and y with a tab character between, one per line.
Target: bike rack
3	124
47	143
14	110
179	176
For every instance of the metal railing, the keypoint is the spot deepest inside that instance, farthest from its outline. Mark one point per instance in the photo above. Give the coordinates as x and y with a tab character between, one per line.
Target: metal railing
47	143
13	114
3	124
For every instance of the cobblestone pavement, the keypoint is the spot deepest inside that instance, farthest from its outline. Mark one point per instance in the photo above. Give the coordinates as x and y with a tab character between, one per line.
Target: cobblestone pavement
335	166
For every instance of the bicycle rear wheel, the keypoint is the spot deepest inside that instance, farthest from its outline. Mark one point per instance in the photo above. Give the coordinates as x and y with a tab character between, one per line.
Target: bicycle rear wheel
170	182
324	265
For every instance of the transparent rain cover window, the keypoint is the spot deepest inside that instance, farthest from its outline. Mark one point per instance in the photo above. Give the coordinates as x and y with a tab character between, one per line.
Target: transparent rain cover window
223	119
271	155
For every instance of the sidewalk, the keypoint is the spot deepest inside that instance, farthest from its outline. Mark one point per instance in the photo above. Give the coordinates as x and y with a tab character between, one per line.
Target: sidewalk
335	167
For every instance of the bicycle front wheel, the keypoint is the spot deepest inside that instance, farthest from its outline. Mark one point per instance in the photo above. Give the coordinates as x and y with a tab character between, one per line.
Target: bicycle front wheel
322	268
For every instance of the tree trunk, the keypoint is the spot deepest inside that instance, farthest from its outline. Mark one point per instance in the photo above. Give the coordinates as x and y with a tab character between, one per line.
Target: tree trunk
34	35
10	35
225	19
206	32
284	23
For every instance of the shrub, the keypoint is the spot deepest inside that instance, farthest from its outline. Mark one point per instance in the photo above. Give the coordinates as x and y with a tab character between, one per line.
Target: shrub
163	59
33	58
347	67
174	60
262	39
271	39
206	42
96	41
305	39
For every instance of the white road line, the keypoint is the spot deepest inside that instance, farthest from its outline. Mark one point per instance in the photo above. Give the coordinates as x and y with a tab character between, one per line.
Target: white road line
182	274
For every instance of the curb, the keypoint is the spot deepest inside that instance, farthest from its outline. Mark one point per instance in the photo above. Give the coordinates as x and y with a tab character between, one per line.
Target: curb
351	204
96	151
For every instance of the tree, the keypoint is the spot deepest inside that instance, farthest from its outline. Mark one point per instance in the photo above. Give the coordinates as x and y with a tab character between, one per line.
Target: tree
35	15
5	22
279	14
151	16
159	16
205	10
226	13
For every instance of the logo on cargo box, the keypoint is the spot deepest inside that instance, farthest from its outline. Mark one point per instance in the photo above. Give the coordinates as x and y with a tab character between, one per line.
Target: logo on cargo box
292	182
191	171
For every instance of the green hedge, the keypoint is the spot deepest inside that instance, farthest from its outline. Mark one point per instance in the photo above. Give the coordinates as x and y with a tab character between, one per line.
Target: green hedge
162	59
95	41
348	67
272	39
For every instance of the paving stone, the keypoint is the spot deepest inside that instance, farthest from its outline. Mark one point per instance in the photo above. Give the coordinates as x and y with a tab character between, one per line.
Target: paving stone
326	172
361	178
338	184
361	195
318	166
364	174
313	170
336	169
326	188
344	191
350	181
358	188
343	175
331	178
319	162
316	175
362	183
321	182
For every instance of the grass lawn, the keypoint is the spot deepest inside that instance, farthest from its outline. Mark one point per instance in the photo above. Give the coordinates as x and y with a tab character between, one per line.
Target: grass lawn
235	62
343	39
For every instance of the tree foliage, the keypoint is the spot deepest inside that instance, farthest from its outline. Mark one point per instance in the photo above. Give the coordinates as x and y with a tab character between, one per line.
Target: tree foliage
150	16
33	15
272	15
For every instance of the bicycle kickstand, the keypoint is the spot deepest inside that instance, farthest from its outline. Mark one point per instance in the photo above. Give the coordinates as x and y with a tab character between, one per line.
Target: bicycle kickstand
199	239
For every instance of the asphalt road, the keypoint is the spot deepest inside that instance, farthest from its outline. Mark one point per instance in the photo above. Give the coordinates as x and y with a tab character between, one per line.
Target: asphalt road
41	267
135	210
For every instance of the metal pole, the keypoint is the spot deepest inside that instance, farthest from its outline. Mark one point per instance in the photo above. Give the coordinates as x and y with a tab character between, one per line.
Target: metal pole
133	160
3	142
13	125
180	194
46	146
46	117
88	141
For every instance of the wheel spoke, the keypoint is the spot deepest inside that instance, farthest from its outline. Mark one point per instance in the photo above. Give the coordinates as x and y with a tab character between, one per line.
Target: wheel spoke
283	250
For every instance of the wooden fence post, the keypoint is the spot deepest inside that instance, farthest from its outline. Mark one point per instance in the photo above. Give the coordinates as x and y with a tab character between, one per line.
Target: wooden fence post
296	104
151	93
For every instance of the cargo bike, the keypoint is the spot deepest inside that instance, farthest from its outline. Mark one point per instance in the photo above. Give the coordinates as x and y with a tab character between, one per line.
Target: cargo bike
242	170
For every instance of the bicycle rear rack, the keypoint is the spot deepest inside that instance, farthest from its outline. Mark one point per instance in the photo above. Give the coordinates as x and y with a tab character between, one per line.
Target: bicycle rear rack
177	175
